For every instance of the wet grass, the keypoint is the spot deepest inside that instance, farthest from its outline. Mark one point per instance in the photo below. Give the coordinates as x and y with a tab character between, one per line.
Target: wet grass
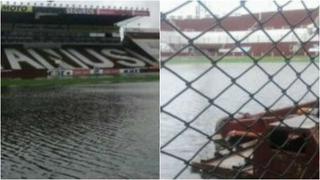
78	81
233	59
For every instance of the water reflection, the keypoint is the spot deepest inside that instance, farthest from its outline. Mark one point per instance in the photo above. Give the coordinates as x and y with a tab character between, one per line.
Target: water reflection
97	131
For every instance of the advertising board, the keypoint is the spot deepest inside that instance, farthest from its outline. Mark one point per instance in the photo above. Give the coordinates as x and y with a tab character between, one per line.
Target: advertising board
19	9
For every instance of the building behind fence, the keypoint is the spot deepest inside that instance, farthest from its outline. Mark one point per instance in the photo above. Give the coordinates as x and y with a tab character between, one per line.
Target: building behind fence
216	41
239	93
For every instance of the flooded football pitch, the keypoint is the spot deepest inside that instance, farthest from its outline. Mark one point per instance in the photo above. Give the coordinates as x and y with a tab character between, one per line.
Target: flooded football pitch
189	104
81	131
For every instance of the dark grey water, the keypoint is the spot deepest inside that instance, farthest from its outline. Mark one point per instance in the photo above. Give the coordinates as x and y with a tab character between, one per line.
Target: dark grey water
189	104
97	131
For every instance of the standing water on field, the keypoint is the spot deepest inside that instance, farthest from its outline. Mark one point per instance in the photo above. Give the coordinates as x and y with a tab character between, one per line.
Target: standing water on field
84	131
189	104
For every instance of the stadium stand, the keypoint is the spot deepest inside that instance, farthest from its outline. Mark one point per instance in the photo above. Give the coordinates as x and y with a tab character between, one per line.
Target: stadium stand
45	41
217	42
144	41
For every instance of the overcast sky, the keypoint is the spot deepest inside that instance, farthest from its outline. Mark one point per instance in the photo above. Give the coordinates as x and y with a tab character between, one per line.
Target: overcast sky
220	7
145	22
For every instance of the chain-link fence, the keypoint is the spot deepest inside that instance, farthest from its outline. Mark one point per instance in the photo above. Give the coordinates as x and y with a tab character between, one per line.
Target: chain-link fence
230	110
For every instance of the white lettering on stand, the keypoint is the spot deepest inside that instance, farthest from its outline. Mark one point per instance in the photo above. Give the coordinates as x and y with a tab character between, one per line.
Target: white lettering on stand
40	59
74	59
100	57
58	58
123	60
86	60
15	57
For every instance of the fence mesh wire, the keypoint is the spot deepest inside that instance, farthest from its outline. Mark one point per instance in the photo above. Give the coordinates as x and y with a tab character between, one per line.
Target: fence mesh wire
267	144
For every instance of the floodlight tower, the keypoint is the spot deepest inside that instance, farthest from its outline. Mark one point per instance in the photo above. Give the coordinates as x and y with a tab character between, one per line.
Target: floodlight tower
198	11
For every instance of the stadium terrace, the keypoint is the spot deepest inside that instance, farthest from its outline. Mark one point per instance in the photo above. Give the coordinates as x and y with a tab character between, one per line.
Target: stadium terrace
40	41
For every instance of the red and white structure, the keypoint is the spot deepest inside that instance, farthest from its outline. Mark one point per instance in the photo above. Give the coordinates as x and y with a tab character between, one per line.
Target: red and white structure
216	41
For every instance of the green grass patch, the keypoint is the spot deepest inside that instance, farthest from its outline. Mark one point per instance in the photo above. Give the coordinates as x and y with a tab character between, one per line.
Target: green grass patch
233	59
78	81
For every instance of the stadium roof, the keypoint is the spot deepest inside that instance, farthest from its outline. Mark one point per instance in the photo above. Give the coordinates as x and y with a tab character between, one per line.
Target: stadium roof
151	21
67	15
